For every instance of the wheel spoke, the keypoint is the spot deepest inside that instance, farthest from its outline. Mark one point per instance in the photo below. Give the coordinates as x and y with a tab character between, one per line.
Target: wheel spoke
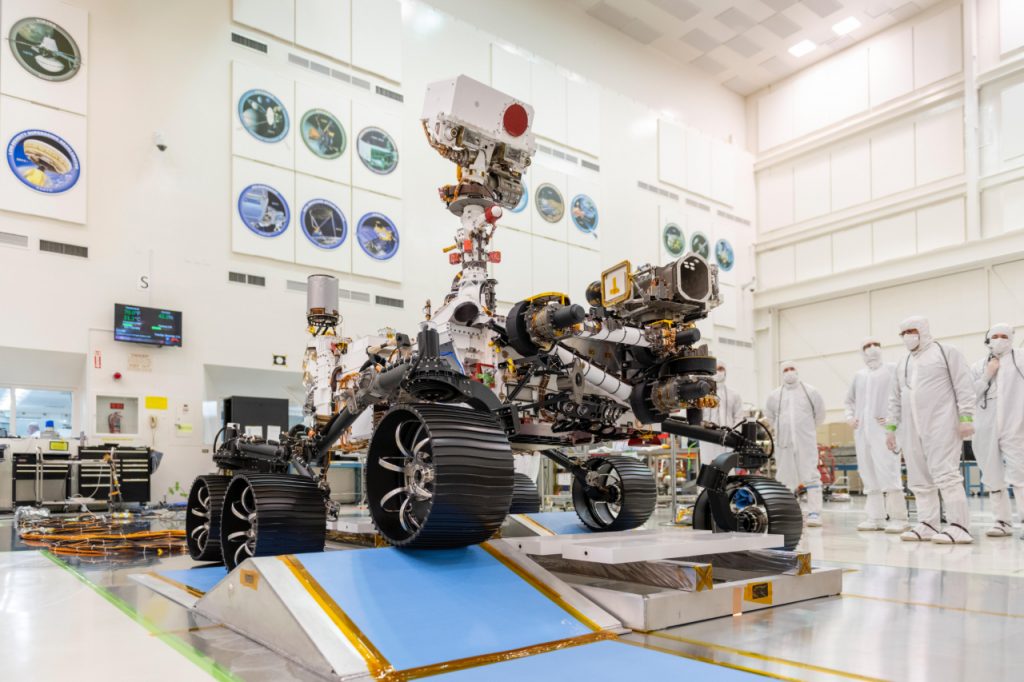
242	547
389	466
401	514
200	514
398	441
244	517
248	507
238	534
198	529
391	494
203	502
203	537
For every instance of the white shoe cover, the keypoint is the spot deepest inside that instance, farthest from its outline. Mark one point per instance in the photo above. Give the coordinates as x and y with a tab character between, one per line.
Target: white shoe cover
1001	529
871	524
897	526
813	520
922	532
953	534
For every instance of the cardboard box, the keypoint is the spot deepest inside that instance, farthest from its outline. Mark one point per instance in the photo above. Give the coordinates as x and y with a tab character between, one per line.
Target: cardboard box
835	433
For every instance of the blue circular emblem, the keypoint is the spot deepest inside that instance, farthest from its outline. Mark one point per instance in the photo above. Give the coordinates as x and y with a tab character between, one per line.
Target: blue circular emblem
263	210
724	255
323	223
377	236
43	161
583	212
263	115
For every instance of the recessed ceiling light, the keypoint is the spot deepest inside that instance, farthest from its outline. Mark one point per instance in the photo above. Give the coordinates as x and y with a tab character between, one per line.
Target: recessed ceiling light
802	48
846	25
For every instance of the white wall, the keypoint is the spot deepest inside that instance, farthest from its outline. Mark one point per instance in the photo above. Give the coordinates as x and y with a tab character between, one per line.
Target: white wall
866	218
167	67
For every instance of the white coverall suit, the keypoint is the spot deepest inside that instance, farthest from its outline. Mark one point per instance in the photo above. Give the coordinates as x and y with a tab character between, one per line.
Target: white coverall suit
932	396
728	413
866	402
794	411
999	434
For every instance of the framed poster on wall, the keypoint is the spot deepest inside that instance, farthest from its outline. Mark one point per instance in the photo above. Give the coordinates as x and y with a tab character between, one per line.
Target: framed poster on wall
323	225
262	115
44	56
377	235
324	119
45	161
262	210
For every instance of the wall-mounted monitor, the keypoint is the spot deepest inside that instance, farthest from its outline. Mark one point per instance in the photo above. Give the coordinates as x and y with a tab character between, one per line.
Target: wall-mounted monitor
154	326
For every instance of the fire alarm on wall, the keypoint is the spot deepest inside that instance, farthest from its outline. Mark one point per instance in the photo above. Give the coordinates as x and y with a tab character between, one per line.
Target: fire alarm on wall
117	375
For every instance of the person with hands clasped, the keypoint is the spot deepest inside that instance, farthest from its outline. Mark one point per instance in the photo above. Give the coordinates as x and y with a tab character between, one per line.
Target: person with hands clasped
931	411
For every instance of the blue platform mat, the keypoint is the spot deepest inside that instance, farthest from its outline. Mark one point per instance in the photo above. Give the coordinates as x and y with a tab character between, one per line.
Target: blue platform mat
559	523
200	579
466	603
600	661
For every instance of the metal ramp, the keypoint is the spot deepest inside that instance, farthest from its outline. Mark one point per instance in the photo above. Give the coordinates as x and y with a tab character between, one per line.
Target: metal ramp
400	614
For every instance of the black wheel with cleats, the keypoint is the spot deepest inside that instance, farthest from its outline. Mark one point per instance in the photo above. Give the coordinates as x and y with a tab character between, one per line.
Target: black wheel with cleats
760	505
525	498
202	520
438	475
271	514
620	493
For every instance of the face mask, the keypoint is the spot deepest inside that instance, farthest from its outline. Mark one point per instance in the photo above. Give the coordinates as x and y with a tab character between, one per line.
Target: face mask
873	353
790	378
999	346
719	377
911	341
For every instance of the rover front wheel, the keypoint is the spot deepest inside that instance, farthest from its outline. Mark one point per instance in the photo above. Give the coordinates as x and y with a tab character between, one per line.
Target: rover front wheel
438	475
202	520
525	498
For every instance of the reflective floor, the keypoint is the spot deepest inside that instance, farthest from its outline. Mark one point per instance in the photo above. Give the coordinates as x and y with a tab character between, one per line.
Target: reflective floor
908	612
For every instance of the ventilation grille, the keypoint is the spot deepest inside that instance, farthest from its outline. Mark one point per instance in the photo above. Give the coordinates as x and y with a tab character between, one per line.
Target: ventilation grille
697	204
13	239
242	278
391	302
657	190
390	94
734	218
66	249
292	285
249	42
341	75
360	83
590	164
298	61
324	69
354	295
724	340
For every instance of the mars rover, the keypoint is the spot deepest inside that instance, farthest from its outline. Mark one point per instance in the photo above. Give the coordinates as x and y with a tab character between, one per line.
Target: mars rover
444	413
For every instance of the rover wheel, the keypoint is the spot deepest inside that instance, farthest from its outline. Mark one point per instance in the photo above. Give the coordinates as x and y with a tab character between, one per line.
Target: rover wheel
525	498
202	521
761	505
271	514
438	475
620	495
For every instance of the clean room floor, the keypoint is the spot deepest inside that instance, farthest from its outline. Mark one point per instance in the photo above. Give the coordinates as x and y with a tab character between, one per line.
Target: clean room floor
908	612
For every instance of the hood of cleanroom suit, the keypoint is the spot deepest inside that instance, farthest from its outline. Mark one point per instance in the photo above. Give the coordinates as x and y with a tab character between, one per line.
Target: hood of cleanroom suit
1001	328
873	355
999	419
920	323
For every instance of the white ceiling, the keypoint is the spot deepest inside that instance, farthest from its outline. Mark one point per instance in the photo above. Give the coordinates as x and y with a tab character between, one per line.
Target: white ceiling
744	44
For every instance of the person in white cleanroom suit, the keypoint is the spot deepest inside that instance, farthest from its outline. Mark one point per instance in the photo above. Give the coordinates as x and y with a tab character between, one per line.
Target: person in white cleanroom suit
931	411
728	413
999	388
794	410
879	468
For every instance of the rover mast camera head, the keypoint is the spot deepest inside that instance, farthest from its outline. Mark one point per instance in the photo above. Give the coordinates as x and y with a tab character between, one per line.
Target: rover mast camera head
486	133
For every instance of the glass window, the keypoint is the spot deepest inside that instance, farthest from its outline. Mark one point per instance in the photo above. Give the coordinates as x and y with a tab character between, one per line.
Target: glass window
5	412
41	412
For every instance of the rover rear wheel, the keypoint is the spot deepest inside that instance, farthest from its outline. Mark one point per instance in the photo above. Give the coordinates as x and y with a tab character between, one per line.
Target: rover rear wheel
760	505
271	514
620	493
202	520
438	475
